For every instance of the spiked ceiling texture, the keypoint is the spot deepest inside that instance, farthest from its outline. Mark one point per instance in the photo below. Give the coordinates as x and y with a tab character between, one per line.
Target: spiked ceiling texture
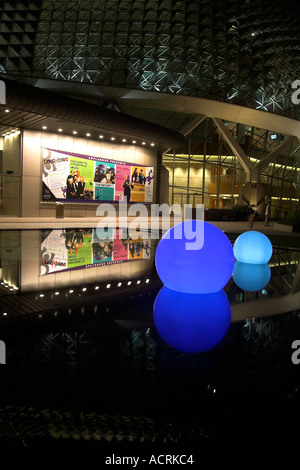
243	52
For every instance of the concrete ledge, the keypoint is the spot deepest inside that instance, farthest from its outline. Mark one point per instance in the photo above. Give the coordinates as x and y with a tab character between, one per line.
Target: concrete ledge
283	227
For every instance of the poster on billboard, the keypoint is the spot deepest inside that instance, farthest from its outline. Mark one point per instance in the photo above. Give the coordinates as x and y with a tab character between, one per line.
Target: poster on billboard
70	177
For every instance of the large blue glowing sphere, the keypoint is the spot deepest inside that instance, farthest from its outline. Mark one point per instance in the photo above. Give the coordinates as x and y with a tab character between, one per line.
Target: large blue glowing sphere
252	247
191	323
202	264
251	277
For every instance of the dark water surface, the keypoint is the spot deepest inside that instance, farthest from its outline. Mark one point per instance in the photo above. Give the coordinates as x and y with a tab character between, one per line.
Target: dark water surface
91	370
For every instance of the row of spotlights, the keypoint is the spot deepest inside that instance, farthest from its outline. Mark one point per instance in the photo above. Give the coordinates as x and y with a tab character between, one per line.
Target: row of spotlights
108	286
101	136
71	291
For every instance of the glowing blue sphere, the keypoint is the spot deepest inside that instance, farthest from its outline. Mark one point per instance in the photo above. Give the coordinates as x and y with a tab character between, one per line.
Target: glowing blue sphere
252	247
191	323
202	264
251	277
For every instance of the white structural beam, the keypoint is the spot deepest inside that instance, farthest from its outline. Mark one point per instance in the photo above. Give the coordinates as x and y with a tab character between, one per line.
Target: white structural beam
234	145
189	128
192	124
264	162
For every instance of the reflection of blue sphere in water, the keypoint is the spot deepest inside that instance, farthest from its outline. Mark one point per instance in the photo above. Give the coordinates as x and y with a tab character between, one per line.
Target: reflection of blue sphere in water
200	265
191	323
251	277
252	247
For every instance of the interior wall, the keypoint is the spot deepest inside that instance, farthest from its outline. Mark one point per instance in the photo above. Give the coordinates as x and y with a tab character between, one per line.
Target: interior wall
31	168
10	164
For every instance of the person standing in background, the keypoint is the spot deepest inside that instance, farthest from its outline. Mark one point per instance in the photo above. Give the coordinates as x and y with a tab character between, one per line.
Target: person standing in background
267	214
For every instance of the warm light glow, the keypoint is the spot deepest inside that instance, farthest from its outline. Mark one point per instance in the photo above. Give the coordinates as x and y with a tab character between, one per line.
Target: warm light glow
60	130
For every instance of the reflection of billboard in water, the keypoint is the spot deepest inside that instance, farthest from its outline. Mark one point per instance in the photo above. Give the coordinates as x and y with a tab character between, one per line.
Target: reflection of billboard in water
65	249
68	177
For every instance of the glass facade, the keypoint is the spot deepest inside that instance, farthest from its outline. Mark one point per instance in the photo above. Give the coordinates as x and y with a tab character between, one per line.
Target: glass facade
207	171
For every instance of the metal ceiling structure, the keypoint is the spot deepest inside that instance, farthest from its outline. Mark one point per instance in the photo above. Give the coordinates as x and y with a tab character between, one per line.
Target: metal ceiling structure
242	52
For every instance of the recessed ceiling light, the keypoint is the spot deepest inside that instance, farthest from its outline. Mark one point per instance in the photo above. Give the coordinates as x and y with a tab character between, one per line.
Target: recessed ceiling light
112	138
123	140
74	132
5	313
152	144
143	143
100	136
134	141
7	110
60	130
88	134
44	127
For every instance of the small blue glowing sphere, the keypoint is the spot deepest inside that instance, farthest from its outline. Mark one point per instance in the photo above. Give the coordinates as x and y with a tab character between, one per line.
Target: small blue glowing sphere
194	257
252	247
251	277
191	323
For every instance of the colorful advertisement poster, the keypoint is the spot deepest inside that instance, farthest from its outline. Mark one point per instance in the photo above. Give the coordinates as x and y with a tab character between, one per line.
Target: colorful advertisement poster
68	177
69	249
79	243
123	186
149	184
102	245
120	246
138	180
136	245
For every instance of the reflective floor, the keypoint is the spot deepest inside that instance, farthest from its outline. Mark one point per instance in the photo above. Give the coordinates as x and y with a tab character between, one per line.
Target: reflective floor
87	367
